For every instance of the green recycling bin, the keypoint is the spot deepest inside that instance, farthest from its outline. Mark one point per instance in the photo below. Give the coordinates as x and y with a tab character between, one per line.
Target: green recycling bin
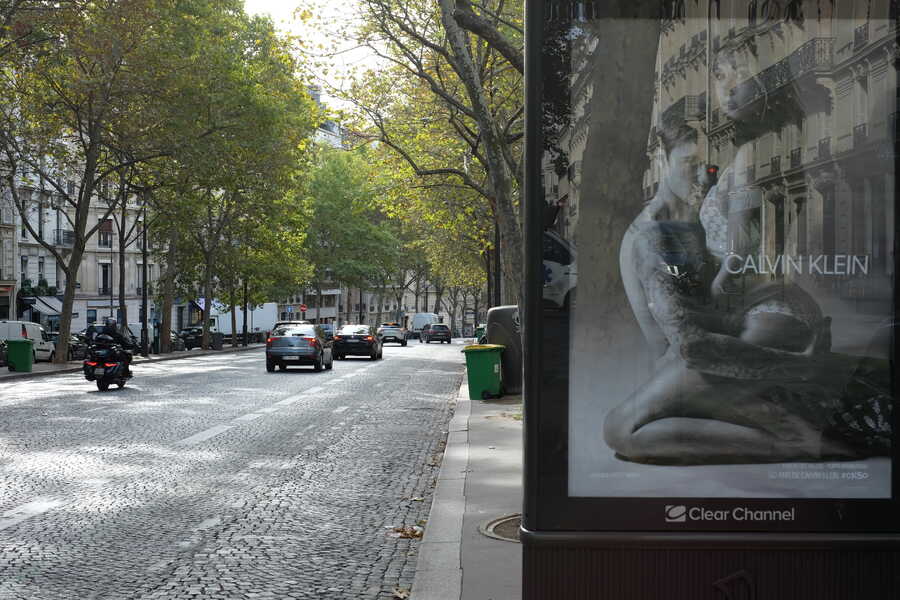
20	355
483	368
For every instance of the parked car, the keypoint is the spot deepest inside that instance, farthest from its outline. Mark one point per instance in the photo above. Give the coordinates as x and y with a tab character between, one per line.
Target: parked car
177	344
298	345
192	337
435	332
357	340
77	345
394	334
43	348
3	355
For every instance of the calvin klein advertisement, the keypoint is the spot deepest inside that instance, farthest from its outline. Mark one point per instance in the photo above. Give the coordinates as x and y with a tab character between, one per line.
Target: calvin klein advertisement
720	237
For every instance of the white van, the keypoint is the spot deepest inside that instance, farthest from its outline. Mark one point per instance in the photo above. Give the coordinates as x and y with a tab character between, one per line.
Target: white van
420	320
43	348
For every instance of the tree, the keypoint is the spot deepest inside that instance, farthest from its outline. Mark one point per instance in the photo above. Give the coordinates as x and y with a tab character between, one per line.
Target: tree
348	241
70	103
447	79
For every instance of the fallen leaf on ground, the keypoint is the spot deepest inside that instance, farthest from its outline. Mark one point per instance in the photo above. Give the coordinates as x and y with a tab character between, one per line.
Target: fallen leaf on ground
401	593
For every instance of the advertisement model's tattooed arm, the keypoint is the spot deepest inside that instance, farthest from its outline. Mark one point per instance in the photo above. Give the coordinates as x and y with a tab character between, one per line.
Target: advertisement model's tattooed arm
681	318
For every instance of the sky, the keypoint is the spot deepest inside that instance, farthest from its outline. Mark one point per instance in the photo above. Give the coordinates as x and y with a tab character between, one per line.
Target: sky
338	15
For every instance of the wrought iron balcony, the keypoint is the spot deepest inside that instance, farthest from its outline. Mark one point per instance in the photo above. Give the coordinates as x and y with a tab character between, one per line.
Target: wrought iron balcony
860	36
64	238
824	148
816	54
860	134
775	165
796	158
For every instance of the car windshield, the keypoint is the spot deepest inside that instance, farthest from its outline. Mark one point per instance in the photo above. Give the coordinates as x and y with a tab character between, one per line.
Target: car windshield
354	329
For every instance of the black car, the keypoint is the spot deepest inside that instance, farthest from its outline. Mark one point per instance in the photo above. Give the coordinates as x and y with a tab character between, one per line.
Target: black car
78	345
298	345
192	336
435	332
357	340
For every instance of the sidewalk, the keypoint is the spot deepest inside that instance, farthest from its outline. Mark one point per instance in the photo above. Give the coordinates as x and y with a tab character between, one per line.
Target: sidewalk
42	369
480	480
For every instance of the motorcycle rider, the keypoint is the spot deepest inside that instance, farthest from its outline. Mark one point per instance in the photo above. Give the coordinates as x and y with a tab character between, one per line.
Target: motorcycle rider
112	332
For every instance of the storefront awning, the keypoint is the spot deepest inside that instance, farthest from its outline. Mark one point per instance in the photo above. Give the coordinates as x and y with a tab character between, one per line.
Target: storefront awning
47	305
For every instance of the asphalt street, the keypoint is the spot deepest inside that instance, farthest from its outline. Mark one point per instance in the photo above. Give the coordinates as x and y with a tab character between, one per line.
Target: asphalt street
209	478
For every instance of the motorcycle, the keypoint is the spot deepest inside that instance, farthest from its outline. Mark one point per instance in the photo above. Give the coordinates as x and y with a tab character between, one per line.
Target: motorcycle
106	365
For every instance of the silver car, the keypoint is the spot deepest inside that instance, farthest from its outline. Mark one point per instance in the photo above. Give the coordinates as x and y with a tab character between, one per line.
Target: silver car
291	345
392	334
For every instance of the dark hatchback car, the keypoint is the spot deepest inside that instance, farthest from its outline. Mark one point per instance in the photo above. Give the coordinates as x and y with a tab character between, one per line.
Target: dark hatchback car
298	345
357	340
435	332
77	345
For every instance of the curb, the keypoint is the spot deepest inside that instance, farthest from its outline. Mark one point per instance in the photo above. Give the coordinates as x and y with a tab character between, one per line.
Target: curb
439	568
138	360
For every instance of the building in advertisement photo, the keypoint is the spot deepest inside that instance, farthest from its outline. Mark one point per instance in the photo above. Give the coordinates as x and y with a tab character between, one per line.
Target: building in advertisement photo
803	140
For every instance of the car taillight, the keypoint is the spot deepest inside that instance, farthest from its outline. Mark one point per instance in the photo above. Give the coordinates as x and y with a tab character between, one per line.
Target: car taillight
269	341
337	337
369	338
109	365
90	363
312	341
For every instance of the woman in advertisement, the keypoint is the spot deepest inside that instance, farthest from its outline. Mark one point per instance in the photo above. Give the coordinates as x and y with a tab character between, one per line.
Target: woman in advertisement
753	384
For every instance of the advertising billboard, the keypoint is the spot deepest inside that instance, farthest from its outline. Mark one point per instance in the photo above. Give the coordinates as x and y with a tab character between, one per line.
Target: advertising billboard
719	217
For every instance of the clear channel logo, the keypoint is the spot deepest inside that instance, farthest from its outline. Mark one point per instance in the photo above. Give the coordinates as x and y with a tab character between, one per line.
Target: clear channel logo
676	513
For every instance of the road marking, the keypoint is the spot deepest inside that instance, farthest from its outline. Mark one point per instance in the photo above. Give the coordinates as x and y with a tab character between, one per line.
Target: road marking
340	409
289	400
309	447
247	417
204	435
314	390
16	515
269	409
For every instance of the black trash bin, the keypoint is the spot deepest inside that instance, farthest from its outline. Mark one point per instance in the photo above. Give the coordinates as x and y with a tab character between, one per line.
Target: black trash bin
218	340
503	328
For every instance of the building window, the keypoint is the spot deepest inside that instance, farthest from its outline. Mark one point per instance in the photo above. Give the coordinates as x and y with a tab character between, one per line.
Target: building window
41	269
104	235
105	286
24	269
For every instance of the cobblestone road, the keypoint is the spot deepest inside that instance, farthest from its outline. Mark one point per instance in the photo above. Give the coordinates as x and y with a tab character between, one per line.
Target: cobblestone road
209	478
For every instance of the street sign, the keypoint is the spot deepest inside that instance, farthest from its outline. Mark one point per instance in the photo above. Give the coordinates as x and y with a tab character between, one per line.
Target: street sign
303	308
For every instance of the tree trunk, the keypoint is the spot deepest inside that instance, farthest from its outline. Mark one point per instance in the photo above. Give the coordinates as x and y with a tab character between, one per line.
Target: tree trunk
207	303
318	302
123	307
417	292
234	336
168	299
438	296
498	171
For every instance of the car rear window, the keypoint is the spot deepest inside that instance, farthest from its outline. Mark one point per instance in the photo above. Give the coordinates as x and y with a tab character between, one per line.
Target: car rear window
354	329
441	327
295	330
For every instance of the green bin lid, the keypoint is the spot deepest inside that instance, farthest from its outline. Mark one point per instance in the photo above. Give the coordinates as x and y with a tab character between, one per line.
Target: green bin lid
484	348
